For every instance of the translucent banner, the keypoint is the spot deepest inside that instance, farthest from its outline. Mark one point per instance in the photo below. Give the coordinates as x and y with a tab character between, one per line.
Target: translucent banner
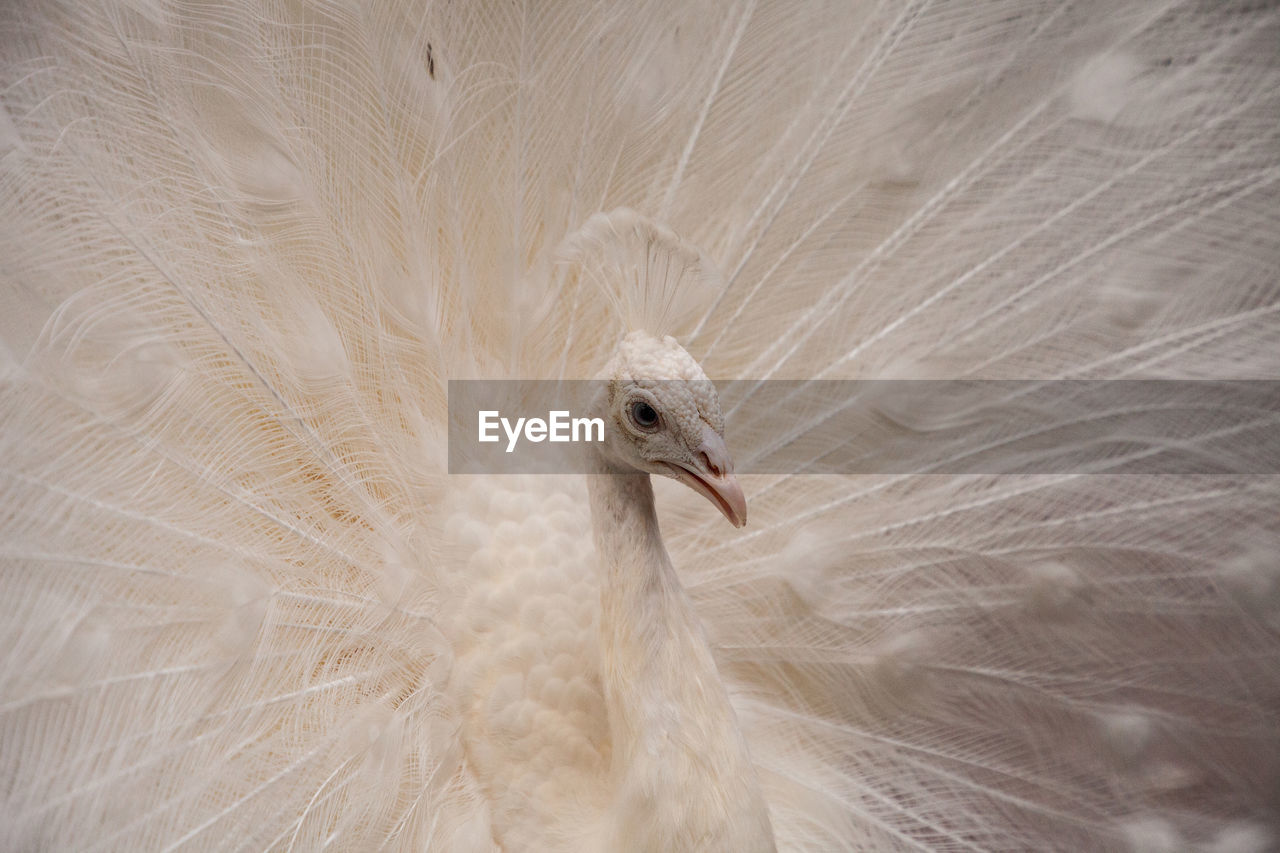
900	426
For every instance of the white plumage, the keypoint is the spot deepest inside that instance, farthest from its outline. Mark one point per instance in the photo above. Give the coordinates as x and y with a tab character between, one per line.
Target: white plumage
244	245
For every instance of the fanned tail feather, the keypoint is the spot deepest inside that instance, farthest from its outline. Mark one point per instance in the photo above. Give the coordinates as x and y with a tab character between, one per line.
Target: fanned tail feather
245	245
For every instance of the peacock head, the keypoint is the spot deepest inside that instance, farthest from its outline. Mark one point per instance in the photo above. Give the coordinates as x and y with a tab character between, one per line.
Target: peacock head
662	416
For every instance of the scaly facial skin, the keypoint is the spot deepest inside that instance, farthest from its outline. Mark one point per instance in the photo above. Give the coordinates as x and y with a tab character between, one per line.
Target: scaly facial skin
664	418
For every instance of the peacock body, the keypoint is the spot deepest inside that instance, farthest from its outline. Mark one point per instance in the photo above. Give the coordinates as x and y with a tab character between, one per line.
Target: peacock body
245	246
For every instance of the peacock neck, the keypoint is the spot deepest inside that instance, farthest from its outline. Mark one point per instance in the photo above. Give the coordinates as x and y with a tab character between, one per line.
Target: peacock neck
683	776
639	578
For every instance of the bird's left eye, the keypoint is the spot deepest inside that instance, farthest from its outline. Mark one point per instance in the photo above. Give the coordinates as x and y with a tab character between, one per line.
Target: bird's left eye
644	416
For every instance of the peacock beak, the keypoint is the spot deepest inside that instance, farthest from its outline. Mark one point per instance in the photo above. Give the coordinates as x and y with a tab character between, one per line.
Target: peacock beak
711	475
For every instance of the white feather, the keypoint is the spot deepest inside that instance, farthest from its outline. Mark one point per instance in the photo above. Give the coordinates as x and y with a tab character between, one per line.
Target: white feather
245	245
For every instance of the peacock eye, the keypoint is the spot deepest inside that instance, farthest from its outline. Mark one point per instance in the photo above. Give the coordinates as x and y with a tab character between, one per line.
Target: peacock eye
644	416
